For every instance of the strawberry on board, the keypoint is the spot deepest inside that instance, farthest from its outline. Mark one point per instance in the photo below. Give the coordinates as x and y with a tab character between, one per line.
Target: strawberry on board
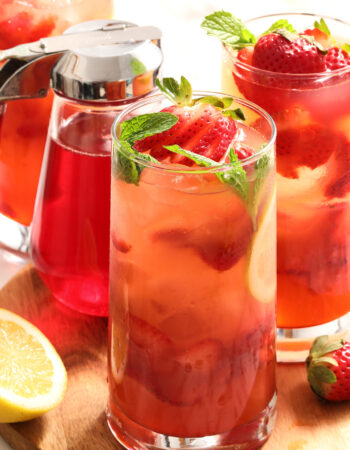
328	368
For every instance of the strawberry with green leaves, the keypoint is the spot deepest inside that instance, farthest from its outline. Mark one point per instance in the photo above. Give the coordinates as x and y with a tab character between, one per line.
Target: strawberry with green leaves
328	368
280	49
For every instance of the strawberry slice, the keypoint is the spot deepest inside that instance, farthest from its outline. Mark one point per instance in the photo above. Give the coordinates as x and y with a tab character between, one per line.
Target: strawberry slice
320	36
310	145
201	129
192	374
221	242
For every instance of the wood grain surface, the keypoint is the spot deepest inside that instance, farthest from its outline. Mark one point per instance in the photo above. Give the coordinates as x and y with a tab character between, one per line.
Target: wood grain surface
79	423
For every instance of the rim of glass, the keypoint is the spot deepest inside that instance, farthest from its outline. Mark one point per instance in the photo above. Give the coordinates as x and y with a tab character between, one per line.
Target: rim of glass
198	170
315	75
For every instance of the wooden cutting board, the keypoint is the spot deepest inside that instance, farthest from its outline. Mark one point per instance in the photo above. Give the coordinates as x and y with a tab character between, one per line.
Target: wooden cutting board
79	423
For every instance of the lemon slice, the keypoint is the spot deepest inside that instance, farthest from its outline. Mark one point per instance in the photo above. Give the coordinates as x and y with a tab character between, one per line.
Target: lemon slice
33	378
262	263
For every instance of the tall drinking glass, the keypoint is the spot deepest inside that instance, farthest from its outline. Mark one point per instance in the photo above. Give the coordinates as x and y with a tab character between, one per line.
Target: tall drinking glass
192	298
25	122
312	116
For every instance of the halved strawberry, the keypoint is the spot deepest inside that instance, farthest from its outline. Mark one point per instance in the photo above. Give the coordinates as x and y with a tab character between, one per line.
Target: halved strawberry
201	129
336	58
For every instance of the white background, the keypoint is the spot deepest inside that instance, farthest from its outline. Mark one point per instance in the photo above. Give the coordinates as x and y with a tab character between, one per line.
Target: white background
187	49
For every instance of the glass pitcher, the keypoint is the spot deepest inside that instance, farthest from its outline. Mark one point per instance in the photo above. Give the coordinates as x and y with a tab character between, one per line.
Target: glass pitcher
70	229
25	122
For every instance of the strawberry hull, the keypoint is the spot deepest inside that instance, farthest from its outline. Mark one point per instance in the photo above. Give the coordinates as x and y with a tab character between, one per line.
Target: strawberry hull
191	347
312	116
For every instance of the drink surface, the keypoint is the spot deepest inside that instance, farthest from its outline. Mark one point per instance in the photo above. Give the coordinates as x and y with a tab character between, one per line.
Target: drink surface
191	345
312	115
25	122
71	225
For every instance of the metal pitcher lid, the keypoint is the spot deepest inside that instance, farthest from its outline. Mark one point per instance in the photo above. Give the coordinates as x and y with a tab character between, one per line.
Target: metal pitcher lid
107	72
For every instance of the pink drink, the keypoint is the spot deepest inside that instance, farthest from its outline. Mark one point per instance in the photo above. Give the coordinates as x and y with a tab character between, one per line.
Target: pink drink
71	226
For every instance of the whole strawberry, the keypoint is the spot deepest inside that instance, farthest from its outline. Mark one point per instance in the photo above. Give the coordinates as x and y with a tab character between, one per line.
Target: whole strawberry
285	52
328	368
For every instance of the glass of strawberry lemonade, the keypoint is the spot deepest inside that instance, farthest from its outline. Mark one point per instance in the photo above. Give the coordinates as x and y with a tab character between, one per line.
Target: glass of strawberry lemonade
192	272
302	78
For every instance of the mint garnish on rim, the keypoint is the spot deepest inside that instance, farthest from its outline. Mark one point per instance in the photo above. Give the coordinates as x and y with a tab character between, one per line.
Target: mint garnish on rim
132	130
216	120
228	29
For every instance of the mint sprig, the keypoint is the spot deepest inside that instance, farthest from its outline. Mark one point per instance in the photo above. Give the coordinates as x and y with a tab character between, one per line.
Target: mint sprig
228	29
127	167
235	176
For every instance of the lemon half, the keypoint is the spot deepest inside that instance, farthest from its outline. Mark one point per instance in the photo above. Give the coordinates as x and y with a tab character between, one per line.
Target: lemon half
33	378
262	263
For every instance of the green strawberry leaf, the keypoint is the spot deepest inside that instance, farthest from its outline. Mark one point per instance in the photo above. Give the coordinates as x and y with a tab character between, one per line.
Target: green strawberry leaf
228	29
327	360
280	24
324	374
321	25
291	37
180	94
346	47
314	42
236	114
145	125
218	102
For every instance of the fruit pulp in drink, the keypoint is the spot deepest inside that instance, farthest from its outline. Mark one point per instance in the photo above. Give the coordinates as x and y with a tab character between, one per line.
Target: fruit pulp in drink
25	122
192	303
313	195
70	231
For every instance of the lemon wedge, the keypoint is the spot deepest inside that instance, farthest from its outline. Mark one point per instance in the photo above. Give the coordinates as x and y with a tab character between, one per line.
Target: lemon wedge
262	263
33	378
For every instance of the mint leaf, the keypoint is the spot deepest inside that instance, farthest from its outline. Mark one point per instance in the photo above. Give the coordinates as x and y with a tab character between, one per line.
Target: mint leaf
321	25
145	125
280	24
314	42
262	167
235	176
180	94
127	166
236	114
346	47
228	29
198	159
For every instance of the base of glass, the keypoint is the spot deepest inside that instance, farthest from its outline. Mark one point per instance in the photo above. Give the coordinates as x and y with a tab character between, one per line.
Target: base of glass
249	436
14	239
293	344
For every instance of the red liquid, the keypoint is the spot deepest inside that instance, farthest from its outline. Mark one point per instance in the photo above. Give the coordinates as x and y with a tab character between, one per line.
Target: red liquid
70	236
